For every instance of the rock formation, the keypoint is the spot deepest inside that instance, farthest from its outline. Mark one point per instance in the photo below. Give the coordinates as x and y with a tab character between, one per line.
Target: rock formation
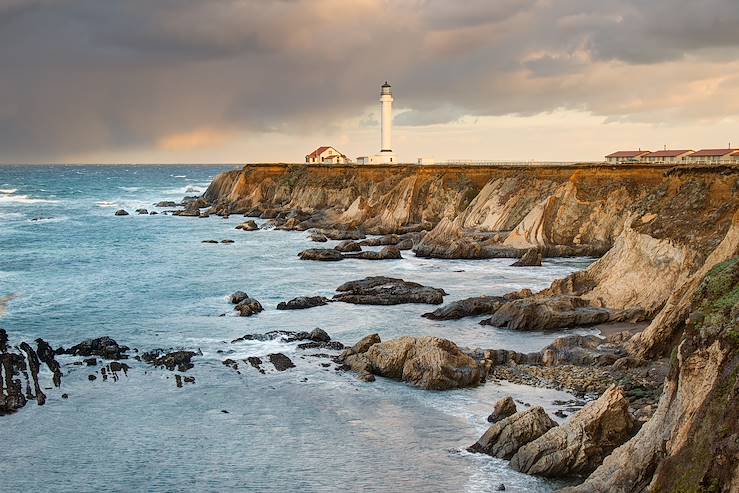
508	435
380	290
502	409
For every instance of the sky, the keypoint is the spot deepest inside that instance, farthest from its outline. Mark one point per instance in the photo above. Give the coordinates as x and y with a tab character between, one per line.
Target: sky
192	81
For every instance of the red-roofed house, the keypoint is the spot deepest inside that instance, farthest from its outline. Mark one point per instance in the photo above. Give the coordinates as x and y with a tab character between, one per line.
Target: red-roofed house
666	156
625	156
326	155
713	156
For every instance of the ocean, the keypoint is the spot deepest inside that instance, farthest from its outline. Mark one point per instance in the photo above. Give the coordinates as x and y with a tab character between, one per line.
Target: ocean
77	272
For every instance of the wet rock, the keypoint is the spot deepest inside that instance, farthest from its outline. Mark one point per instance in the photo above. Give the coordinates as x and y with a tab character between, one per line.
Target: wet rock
166	203
248	307
237	297
65	396
406	244
319	335
500	487
302	302
227	241
181	360
387	253
231	363
92	377
330	345
547	314
507	436
142	211
321	254
380	290
280	361
469	307
391	239
318	238
581	444
3	341
348	246
214	242
90	361
121	212
153	213
46	355
426	362
503	408
34	366
532	258
255	362
105	347
249	225
363	345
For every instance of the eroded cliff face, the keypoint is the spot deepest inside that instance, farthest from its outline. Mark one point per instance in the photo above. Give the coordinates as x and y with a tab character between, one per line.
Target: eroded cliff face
692	441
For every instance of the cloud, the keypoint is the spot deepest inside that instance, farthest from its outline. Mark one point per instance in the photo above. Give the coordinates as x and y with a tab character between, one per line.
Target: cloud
87	75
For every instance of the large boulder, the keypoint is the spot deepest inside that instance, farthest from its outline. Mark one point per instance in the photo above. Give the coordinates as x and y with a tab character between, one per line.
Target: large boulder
555	312
105	347
342	234
532	258
180	360
249	225
506	437
248	307
478	305
348	246
502	409
380	290
426	362
302	302
581	444
121	212
321	254
387	253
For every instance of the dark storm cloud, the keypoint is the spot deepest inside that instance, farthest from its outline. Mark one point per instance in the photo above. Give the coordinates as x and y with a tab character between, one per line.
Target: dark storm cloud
85	75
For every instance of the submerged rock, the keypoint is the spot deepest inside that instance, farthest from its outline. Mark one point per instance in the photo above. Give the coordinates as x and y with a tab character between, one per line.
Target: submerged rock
302	302
380	290
181	360
532	258
581	444
426	362
504	438
502	409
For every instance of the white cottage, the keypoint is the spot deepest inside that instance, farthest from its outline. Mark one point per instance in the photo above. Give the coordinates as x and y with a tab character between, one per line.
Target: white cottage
326	155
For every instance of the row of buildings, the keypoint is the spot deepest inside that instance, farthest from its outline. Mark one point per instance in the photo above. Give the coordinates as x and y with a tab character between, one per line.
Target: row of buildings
676	156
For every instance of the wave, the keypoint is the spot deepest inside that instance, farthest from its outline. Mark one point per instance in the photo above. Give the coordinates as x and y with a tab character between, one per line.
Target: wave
11	215
179	176
39	220
105	203
8	190
24	199
130	189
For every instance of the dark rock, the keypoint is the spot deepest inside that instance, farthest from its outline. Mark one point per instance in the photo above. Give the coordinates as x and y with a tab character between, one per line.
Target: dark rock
256	362
91	377
121	212
392	239
469	307
166	203
65	396
181	360
380	290
34	366
237	297
302	302
332	345
248	307
153	213
142	211
319	335
3	341
547	314
500	487
502	409
227	241
46	355
90	361
214	242
321	254
105	347
406	244
532	258
318	238
280	361
348	246
342	234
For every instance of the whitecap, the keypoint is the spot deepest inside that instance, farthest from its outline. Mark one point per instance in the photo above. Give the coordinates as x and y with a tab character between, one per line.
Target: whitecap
130	189
105	203
24	199
8	190
179	176
38	220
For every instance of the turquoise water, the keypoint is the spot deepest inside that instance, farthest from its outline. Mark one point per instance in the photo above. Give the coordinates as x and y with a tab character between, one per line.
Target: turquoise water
149	282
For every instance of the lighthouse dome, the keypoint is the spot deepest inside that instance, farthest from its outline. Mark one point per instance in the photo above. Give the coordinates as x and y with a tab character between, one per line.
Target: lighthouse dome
385	88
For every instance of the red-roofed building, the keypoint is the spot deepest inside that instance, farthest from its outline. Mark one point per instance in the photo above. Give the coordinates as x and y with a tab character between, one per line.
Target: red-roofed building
666	156
326	155
713	156
626	156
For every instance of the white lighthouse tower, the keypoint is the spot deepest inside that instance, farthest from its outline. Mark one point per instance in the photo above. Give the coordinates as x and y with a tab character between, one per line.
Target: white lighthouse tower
386	106
386	155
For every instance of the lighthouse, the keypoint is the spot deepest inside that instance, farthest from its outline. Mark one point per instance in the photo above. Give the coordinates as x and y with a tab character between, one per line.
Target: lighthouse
386	108
386	155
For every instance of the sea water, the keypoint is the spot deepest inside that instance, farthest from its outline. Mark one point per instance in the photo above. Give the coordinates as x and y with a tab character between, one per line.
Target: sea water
148	281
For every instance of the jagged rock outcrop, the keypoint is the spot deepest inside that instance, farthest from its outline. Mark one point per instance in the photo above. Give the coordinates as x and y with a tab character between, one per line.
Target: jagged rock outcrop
426	362
502	409
477	305
245	305
303	302
380	290
691	442
505	437
532	258
581	444
105	347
